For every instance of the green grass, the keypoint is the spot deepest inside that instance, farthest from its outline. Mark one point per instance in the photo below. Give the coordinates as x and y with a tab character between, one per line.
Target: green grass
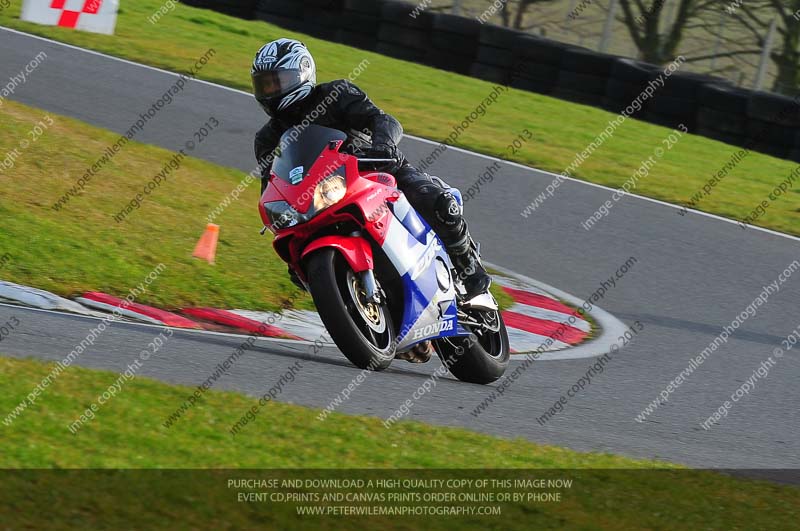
83	248
128	433
201	439
430	103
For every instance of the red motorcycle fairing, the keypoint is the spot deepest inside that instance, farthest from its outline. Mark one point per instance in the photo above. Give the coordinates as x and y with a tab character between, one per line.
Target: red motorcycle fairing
363	204
355	250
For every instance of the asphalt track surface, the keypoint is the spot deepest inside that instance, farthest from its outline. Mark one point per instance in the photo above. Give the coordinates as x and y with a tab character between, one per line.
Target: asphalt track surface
693	275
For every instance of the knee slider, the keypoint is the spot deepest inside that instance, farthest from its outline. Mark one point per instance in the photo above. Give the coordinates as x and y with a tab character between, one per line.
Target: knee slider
447	209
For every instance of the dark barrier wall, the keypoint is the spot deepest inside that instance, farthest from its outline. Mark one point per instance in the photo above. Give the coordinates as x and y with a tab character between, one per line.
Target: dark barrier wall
706	105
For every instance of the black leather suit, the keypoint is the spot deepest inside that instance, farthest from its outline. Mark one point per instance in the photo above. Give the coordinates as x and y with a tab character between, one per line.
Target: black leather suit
350	110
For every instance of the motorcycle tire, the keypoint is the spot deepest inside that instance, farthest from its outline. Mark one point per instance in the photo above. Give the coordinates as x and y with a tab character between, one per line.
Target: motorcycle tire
329	277
473	360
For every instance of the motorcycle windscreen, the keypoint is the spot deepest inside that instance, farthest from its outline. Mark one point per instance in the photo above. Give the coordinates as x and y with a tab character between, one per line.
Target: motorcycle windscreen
299	148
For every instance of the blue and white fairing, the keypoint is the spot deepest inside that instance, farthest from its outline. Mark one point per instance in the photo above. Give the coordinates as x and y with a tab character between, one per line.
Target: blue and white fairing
425	269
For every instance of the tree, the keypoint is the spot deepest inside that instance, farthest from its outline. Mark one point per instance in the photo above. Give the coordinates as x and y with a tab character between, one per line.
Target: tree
757	17
522	8
643	18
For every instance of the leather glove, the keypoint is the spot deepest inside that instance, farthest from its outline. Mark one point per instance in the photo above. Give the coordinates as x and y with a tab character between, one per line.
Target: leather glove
381	151
384	151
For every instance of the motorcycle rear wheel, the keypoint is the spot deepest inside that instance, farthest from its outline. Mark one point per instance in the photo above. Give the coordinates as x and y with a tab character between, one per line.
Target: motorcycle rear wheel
363	331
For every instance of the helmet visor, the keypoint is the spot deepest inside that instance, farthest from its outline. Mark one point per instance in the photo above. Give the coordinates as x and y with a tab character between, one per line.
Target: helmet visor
272	83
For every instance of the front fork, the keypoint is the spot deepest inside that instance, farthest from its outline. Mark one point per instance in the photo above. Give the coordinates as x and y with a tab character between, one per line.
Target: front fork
367	278
370	286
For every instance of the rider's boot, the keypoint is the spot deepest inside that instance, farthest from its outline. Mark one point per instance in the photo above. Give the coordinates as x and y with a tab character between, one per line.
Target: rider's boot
420	353
467	261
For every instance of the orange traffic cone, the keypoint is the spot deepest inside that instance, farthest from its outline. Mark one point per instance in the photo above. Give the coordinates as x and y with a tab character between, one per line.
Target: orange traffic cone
206	248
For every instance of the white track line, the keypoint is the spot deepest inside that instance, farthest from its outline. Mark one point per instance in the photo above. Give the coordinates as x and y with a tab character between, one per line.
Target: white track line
424	140
110	308
523	341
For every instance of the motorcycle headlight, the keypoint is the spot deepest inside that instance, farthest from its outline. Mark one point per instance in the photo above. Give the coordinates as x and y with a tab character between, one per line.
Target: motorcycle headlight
329	191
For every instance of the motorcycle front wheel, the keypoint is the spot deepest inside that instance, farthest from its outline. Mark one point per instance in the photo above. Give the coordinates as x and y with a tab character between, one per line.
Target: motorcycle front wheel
363	331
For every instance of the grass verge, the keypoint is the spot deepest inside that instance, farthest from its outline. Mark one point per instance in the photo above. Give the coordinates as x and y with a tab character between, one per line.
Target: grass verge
128	432
430	103
83	248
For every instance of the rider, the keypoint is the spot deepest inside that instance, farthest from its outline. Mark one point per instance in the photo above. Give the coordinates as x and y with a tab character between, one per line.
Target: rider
284	81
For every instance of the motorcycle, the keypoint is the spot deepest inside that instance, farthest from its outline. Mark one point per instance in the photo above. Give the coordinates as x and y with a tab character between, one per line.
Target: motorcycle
379	276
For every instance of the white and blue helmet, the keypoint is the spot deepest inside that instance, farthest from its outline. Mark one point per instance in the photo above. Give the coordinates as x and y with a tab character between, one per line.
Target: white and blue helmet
283	73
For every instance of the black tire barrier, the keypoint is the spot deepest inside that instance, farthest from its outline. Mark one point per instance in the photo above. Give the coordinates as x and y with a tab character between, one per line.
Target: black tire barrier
541	86
776	150
357	40
686	84
768	132
289	23
663	104
774	108
673	111
370	7
323	12
574	96
582	83
580	88
499	57
245	9
399	52
536	71
588	62
455	34
538	50
724	98
455	24
357	22
632	72
454	43
412	38
326	18
726	122
320	20
489	73
283	8
664	120
721	136
614	105
400	13
447	60
498	36
620	95
319	31
628	79
325	4
535	77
